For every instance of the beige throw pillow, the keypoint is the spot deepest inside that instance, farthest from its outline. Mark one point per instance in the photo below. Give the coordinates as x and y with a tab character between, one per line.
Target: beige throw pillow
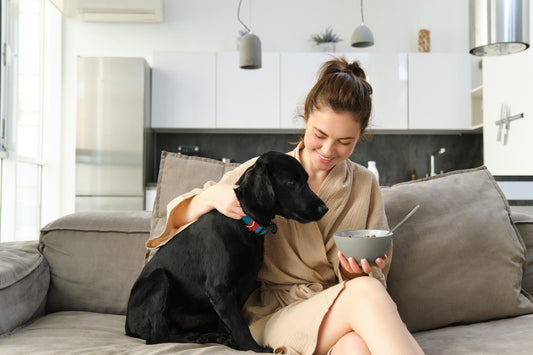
179	174
459	259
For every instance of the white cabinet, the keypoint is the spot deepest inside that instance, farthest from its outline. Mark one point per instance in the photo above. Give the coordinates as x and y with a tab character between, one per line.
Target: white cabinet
416	91
299	72
248	98
387	73
439	91
183	90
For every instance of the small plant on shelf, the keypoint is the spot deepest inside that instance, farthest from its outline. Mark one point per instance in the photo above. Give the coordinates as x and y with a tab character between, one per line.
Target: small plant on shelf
328	36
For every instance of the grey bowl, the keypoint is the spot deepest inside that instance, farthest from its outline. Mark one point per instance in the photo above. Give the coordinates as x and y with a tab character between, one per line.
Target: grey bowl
352	243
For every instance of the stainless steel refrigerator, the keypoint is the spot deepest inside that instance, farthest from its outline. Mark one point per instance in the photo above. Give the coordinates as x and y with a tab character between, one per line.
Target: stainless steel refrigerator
113	136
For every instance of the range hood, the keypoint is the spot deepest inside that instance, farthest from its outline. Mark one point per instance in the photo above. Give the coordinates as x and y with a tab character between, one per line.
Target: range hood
498	27
133	11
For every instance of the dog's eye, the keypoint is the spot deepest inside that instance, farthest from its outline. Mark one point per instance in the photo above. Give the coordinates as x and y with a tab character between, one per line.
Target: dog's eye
291	182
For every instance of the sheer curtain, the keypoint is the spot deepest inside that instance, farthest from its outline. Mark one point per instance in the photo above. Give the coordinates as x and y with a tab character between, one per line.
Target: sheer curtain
22	92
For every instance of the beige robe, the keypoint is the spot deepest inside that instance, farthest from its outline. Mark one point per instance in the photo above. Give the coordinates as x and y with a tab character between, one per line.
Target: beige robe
300	276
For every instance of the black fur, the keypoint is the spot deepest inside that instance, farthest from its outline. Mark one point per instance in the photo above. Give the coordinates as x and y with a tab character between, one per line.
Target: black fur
194	287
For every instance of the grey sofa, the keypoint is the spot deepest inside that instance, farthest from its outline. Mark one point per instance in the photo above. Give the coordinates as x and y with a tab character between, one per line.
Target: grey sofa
461	275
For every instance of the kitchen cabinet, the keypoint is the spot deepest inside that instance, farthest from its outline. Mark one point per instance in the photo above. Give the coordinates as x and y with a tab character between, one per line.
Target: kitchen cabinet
299	72
248	98
439	91
387	73
183	90
416	91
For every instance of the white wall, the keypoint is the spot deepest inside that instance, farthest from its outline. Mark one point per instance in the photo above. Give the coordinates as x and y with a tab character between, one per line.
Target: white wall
509	80
282	25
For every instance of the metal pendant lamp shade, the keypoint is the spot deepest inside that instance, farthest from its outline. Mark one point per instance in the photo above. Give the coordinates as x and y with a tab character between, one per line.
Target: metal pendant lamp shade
250	52
498	27
362	36
249	47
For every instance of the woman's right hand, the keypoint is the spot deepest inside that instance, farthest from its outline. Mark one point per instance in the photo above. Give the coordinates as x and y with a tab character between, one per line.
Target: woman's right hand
222	197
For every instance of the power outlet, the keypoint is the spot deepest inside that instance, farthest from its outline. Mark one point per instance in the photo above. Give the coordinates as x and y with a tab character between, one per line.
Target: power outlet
189	149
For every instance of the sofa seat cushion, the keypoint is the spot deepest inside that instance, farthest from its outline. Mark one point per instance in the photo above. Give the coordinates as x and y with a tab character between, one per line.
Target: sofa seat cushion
73	332
504	336
24	280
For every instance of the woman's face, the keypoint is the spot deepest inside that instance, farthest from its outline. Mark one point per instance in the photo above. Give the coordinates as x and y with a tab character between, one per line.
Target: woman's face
330	137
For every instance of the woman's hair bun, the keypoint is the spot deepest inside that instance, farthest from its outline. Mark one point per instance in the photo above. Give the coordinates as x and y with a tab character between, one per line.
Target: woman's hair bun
341	65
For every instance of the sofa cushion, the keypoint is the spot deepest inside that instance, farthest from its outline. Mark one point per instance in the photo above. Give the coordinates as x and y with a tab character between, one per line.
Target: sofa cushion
179	174
24	280
94	333
505	336
94	258
459	259
524	223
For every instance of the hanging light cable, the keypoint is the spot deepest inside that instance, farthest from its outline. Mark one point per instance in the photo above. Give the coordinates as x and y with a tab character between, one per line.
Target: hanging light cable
249	47
362	36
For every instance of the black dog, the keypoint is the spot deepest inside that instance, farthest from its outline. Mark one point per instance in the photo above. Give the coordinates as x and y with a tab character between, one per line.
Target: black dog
194	287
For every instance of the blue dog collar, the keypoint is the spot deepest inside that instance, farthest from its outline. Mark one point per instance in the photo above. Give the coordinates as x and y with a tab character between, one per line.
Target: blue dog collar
256	227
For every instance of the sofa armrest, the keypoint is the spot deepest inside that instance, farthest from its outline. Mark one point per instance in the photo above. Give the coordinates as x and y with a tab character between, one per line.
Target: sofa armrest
24	281
94	258
524	223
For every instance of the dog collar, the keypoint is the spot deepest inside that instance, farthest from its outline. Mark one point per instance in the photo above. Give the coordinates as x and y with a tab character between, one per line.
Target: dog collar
257	228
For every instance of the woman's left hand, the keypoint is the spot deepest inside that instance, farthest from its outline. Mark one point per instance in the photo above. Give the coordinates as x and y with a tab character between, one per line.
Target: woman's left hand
352	269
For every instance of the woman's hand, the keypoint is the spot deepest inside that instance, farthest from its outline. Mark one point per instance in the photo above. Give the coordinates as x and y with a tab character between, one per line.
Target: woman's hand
222	197
351	269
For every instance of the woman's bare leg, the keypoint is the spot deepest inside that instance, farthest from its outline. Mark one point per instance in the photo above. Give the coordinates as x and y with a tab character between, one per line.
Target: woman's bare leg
350	343
365	307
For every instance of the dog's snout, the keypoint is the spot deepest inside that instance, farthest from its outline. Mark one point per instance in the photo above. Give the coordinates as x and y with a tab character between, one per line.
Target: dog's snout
322	208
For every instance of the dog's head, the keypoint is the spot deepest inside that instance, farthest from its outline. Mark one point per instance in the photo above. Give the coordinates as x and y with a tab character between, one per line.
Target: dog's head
277	185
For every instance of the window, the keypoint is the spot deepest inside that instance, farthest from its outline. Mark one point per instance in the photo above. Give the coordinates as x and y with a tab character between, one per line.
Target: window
22	119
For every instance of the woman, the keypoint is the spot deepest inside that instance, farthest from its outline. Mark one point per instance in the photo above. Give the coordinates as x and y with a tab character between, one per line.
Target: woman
312	299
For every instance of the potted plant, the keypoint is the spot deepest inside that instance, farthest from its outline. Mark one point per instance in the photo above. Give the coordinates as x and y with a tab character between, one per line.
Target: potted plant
326	40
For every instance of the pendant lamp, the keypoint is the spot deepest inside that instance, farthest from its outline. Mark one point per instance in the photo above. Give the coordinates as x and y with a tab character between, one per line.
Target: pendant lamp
498	27
249	47
362	36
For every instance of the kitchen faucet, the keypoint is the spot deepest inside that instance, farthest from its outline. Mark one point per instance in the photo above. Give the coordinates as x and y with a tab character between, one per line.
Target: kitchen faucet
432	160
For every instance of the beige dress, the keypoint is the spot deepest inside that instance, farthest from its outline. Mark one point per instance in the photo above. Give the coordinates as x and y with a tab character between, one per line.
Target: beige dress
300	276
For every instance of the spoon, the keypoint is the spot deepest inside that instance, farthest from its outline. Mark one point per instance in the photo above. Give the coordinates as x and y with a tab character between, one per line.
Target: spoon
406	217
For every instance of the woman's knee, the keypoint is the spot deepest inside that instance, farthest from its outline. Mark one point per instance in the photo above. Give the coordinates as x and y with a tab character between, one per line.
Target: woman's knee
365	284
367	290
350	343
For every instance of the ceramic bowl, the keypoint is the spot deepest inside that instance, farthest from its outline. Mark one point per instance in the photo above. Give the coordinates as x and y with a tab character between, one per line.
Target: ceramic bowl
353	243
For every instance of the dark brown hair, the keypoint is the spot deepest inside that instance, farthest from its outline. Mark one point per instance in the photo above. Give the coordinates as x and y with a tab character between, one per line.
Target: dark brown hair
342	86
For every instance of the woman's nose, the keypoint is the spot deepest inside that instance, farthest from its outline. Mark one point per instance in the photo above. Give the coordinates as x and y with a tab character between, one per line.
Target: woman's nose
327	148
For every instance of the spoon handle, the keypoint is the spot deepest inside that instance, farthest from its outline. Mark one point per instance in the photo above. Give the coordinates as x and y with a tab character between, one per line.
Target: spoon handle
406	217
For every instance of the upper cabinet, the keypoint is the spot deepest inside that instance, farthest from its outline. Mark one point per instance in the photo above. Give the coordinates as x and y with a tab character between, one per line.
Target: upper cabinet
299	72
387	73
183	90
440	91
247	98
418	91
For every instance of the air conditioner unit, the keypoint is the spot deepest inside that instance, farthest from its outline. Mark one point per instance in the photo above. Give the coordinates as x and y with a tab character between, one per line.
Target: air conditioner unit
147	11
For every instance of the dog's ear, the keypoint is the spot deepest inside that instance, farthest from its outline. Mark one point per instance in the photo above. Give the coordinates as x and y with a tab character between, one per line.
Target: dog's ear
255	191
